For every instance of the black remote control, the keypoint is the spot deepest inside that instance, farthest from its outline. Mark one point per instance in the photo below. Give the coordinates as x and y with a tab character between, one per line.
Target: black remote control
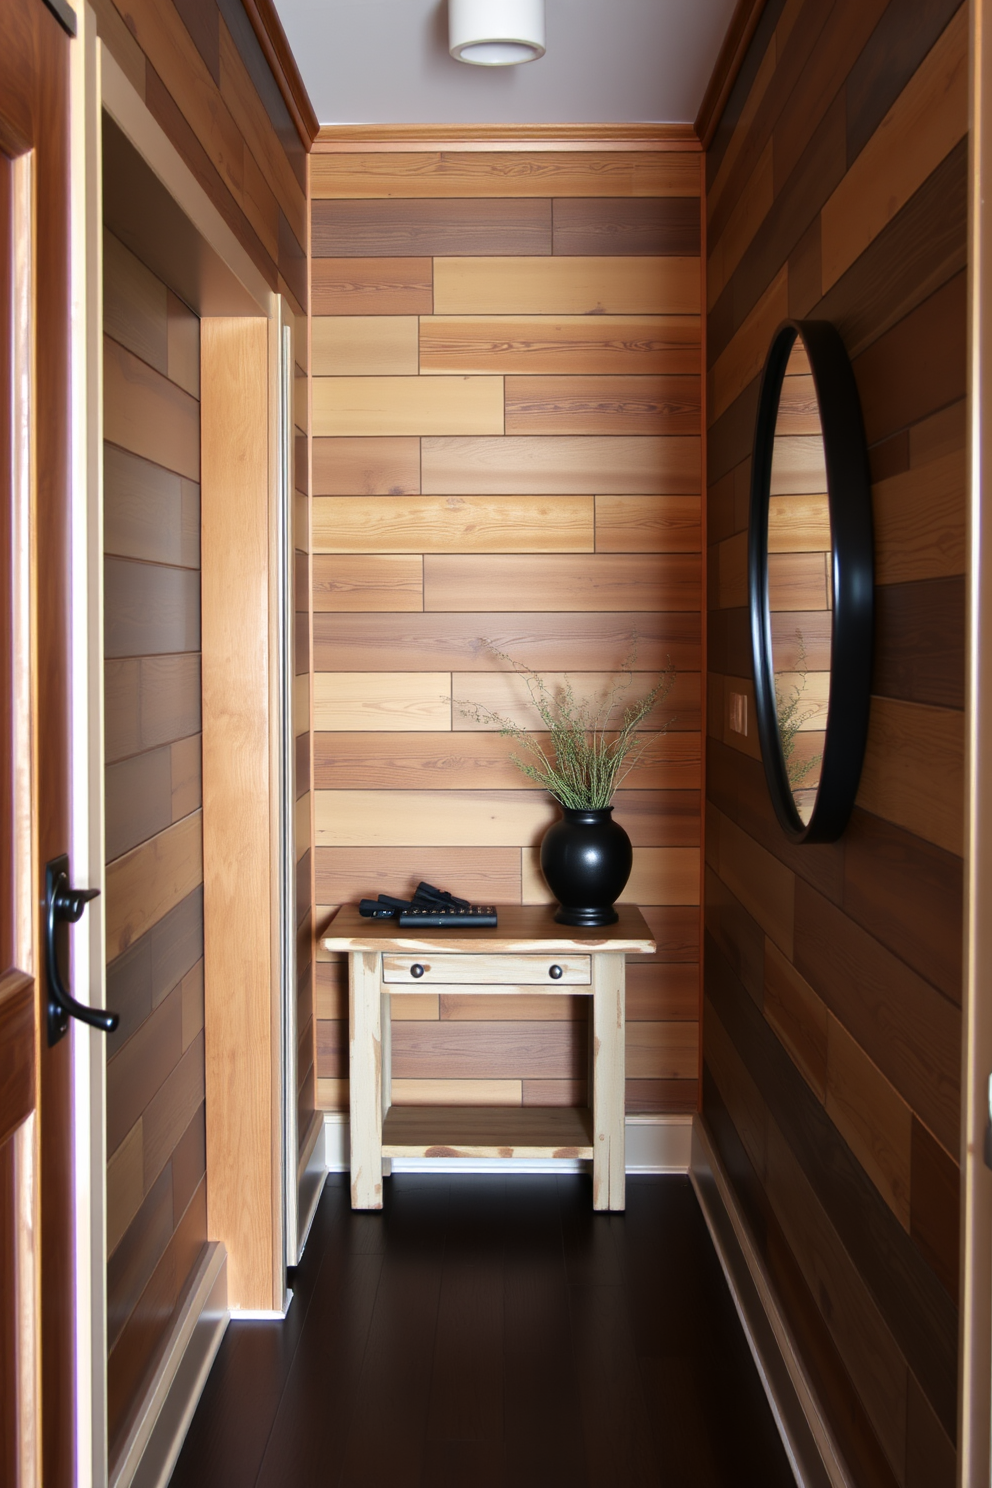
442	918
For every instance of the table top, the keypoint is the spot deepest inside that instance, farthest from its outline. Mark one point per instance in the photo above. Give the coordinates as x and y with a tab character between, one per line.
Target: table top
522	928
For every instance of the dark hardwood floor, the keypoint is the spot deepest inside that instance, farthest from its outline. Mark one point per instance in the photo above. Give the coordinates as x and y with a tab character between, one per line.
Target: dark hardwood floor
493	1332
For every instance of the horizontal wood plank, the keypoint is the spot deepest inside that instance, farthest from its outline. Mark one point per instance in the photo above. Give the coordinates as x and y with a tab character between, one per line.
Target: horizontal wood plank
150	610
636	226
602	405
920	519
150	700
429	226
485	876
567	286
150	513
372	406
149	415
440	1131
366	467
560	465
660	876
146	883
507	695
382	582
913	772
571	344
603	581
394	701
364	345
544	173
648	524
371	286
487	1050
453	524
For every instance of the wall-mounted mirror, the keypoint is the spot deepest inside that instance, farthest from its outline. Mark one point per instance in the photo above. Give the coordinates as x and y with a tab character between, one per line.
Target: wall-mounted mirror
810	580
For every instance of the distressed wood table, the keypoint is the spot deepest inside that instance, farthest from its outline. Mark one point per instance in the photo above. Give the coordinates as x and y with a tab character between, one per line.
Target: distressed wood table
525	953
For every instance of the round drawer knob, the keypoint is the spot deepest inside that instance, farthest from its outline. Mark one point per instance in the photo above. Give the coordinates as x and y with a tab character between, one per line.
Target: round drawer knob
416	970
555	973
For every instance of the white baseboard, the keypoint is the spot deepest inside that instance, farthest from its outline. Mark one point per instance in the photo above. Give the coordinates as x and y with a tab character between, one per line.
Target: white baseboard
810	1445
263	1314
155	1440
655	1144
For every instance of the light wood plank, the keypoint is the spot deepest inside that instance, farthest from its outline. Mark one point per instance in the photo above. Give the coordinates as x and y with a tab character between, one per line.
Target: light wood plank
522	930
648	524
924	124
364	406
503	1131
468	970
364	345
660	875
457	1093
559	465
663	1050
394	701
371	286
603	405
514	1004
383	582
345	874
566	286
798	465
463	174
147	414
411	818
147	882
799	524
609	1171
365	1081
874	1120
913	772
453	524
573	344
743	358
366	467
478	695
603	581
920	522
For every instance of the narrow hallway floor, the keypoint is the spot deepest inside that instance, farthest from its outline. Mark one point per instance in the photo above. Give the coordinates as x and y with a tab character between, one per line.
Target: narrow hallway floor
483	1332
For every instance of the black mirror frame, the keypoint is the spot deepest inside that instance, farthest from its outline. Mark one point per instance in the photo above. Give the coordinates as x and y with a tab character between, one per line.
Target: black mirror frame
852	626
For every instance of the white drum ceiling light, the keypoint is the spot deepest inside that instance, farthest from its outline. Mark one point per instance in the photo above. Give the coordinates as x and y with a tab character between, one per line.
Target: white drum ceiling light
496	33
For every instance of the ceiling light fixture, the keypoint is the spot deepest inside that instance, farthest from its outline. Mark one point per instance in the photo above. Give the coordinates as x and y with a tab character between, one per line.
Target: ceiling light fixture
496	33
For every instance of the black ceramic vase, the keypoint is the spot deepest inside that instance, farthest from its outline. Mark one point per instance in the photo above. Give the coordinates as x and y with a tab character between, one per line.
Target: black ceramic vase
586	858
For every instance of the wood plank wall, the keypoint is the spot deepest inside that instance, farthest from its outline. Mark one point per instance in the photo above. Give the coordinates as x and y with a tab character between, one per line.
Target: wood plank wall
201	71
832	1033
156	1180
506	446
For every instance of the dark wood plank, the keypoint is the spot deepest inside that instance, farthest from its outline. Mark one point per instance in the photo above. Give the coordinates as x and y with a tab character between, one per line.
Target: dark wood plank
672	1096
643	226
142	977
130	1267
546	641
202	20
919	642
906	893
602	405
493	1051
406	228
730	116
371	286
138	799
918	366
931	1460
935	1205
886	63
139	1069
740	938
150	610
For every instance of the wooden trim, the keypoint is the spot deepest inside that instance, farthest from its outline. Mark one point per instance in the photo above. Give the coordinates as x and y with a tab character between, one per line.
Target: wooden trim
743	24
267	27
975	1353
809	1443
365	138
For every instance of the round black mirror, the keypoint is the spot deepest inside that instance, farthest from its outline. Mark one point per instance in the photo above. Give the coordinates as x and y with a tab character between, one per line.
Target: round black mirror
810	580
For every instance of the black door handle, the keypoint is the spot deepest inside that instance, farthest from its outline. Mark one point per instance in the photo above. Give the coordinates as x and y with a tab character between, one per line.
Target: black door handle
64	906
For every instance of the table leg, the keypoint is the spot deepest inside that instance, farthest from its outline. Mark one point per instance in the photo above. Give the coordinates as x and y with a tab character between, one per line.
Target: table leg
608	1080
387	1067
365	1080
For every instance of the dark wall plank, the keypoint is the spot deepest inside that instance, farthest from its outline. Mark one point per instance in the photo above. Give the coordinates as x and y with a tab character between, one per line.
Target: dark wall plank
150	610
919	642
402	229
648	226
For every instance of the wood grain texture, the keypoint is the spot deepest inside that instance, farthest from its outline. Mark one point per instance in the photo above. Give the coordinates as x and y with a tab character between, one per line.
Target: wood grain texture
147	882
373	406
599	582
366	467
135	312
149	415
371	286
660	875
453	524
919	519
507	694
431	227
150	609
363	345
457	173
566	286
398	702
646	524
913	770
586	465
744	355
602	405
637	227
569	344
150	701
383	582
150	513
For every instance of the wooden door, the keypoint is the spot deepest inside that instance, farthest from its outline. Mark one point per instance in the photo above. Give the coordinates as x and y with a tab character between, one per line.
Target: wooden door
37	1304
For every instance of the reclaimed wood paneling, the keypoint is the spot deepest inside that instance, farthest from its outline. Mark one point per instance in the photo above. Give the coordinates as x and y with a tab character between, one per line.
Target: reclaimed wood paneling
519	473
838	190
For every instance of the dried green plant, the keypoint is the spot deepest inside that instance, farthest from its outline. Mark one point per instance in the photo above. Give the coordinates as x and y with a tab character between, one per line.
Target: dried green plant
788	706
591	754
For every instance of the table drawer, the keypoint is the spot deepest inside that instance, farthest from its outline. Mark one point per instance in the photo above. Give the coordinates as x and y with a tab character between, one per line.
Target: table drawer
449	969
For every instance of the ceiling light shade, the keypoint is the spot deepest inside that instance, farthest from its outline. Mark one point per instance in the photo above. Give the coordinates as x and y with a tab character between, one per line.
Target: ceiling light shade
496	33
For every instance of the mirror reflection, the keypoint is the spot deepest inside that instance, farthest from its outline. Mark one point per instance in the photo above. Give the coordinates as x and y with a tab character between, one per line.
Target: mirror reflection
800	581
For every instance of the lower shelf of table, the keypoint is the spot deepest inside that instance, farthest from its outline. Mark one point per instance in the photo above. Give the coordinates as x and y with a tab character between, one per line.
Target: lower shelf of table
487	1131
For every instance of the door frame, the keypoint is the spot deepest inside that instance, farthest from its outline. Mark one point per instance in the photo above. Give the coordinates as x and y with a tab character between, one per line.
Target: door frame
100	86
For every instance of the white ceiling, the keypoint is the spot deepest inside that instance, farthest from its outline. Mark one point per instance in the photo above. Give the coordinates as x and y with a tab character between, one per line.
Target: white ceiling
607	62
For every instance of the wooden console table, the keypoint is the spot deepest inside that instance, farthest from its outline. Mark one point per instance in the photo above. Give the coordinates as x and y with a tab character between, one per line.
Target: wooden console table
527	952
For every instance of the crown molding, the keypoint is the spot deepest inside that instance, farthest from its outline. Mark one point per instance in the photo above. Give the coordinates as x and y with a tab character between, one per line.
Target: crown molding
743	24
332	139
267	27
